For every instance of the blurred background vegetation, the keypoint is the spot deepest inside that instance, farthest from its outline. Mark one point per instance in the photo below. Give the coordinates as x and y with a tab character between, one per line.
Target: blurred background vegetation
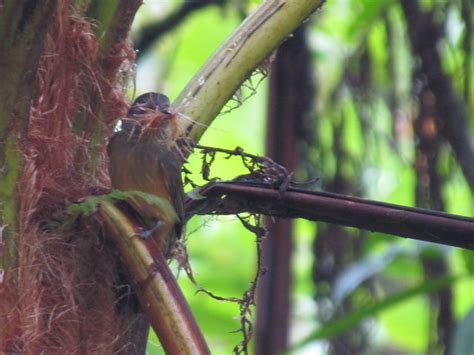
374	130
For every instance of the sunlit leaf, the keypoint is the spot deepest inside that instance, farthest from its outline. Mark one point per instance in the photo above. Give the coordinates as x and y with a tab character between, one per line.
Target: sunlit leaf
360	271
340	325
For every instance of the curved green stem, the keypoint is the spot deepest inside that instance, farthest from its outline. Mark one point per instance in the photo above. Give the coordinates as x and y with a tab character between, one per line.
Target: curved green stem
234	62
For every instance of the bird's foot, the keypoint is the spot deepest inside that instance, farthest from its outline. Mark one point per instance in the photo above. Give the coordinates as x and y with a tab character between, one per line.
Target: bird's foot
148	233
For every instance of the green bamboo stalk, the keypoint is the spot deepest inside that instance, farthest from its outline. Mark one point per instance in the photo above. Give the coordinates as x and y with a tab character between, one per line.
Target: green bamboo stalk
237	58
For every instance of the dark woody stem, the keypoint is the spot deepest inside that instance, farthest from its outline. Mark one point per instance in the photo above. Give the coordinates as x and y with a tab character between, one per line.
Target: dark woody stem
414	223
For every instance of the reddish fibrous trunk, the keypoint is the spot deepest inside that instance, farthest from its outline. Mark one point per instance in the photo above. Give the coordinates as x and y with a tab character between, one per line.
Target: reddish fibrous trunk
61	295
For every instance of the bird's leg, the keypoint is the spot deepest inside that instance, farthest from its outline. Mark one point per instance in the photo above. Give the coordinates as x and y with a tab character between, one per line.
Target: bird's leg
148	233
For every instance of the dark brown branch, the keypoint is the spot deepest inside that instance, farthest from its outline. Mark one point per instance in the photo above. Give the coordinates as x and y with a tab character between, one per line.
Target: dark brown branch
151	33
414	223
290	97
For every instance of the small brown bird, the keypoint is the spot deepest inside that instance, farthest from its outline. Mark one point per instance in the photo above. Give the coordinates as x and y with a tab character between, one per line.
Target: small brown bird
144	157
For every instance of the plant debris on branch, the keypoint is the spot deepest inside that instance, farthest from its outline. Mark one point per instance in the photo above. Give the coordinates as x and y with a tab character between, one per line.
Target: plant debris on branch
269	190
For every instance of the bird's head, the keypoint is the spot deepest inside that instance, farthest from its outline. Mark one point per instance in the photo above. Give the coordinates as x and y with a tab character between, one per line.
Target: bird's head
151	112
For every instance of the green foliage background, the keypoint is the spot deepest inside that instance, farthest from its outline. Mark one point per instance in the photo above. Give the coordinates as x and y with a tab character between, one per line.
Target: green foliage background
381	164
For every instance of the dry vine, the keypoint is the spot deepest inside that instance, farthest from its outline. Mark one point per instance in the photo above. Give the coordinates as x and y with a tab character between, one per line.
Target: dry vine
262	170
253	223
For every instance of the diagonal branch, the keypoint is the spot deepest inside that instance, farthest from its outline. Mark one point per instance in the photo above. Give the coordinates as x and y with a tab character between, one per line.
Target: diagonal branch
251	43
413	223
154	285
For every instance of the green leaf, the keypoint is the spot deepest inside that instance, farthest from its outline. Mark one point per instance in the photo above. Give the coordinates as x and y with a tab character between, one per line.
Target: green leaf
90	204
340	325
358	272
468	256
